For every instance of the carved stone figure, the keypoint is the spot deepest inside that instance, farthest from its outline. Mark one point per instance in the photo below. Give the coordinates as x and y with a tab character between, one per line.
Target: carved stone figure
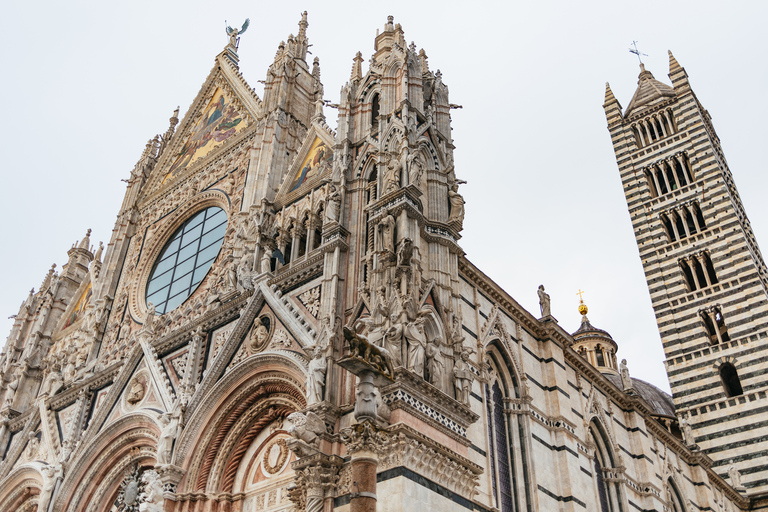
259	335
149	317
170	423
332	205
463	378
457	205
33	445
392	176
244	278
378	357
54	381
393	339
51	475
544	302
266	263
10	393
306	427
626	382
152	495
404	252
735	477
687	430
435	366
234	33
316	378
417	341
387	233
136	391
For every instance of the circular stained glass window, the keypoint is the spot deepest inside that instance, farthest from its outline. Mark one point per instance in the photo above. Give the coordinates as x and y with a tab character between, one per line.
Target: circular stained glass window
186	258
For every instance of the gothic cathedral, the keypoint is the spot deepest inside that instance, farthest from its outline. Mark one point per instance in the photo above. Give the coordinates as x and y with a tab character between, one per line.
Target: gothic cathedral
284	320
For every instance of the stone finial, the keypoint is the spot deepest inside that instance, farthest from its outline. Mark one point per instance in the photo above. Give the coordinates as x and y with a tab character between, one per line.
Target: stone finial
390	26
175	118
357	67
303	24
85	243
609	97
424	61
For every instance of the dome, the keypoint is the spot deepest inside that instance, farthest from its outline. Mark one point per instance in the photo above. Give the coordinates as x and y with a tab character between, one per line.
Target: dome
659	401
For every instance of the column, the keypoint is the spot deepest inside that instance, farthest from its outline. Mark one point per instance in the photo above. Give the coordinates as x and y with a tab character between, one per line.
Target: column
364	442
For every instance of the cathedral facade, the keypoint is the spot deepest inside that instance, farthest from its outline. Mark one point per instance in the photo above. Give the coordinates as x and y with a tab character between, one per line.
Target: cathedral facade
283	319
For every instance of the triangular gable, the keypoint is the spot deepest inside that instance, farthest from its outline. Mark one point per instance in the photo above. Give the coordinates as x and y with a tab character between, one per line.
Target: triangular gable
220	114
76	309
313	162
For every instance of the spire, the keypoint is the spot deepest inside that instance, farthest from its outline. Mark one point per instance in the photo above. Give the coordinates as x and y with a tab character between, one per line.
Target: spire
677	73
611	106
609	97
302	43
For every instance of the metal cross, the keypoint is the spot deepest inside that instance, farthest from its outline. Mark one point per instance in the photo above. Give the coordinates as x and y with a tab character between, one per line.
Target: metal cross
637	52
579	294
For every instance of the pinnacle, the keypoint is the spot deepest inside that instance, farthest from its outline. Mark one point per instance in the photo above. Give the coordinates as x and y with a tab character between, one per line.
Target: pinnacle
609	97
673	64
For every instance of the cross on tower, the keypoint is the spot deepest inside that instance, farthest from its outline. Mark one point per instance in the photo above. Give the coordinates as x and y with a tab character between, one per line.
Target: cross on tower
580	293
637	52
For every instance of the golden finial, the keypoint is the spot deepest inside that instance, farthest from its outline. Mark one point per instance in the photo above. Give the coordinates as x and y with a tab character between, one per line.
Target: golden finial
582	307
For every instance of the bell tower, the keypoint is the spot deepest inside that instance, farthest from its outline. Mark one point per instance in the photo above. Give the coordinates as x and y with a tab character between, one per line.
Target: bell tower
705	272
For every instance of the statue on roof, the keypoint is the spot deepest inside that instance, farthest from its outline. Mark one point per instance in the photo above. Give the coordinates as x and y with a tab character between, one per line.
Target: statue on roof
234	33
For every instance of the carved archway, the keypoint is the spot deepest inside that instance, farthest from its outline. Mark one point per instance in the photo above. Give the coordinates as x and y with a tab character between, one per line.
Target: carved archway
94	477
21	489
255	395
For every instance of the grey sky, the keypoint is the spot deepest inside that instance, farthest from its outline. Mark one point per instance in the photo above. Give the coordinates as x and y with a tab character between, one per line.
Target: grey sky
86	84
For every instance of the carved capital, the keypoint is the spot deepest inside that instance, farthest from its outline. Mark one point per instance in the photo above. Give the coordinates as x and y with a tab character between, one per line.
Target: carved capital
365	439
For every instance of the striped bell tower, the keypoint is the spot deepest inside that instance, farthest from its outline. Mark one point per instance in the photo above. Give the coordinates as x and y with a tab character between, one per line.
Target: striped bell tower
705	272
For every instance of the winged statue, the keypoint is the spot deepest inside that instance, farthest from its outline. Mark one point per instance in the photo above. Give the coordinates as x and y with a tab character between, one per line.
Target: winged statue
234	33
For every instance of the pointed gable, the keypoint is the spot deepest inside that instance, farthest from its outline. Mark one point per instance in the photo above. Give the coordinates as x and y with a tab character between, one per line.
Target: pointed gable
223	110
313	162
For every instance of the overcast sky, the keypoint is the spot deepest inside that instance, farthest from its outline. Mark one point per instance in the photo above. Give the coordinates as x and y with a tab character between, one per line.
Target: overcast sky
86	84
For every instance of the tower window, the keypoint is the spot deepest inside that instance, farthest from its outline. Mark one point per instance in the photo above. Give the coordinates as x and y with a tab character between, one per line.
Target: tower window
731	382
653	128
714	323
698	271
683	221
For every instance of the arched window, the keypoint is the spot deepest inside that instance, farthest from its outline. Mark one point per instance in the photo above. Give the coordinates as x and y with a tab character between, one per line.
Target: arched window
731	382
506	441
375	111
608	493
674	499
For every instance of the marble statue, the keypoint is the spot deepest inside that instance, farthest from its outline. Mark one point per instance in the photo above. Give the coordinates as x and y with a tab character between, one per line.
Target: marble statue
51	476
387	233
235	33
170	423
626	382
417	341
332	205
463	378
457	205
687	430
435	366
316	376
152	496
544	302
735	477
306	427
